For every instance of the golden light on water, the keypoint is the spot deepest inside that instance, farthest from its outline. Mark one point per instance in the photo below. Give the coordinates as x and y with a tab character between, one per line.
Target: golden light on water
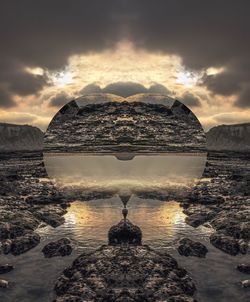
151	216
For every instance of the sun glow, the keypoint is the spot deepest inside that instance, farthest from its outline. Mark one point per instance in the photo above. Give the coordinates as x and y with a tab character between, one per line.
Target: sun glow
187	78
62	78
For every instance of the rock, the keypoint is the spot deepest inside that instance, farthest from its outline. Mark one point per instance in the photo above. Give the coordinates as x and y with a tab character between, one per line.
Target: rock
124	273
23	244
4	283
5	268
61	247
244	268
192	248
50	218
245	283
198	219
225	243
125	232
6	246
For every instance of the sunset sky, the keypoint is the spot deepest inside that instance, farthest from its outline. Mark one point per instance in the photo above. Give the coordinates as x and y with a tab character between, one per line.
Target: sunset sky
198	50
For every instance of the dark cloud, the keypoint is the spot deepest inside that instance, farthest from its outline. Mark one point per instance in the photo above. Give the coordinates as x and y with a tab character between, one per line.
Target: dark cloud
125	89
60	100
45	33
232	81
25	83
190	100
204	33
223	83
6	100
244	98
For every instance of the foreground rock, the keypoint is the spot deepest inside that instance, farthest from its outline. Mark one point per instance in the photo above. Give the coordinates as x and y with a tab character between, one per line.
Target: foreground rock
4	283
225	243
189	247
124	273
23	244
125	232
5	268
244	268
61	247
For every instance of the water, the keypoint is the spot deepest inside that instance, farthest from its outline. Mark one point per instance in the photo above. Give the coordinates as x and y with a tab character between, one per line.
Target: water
106	171
162	225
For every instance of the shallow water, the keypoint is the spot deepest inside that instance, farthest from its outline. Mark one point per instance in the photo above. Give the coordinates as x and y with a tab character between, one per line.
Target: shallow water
106	171
162	225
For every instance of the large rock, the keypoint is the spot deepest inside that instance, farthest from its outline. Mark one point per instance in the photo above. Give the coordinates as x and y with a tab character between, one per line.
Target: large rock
61	247
124	273
227	244
125	233
189	247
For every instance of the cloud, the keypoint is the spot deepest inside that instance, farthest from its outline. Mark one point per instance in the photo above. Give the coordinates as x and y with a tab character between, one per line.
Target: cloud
125	89
203	33
60	99
6	99
190	99
18	117
244	98
45	34
224	83
235	117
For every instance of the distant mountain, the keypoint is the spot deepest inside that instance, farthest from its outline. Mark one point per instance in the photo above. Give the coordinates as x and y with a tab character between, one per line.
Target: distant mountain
20	137
229	137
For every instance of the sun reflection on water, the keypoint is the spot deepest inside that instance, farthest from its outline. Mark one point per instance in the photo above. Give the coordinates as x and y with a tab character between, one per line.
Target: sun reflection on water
157	219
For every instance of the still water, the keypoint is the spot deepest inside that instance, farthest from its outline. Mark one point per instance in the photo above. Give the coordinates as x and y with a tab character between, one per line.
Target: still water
107	171
162	225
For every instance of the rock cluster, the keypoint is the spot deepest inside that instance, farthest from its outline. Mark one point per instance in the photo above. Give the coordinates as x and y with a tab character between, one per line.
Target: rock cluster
221	200
140	123
124	273
29	200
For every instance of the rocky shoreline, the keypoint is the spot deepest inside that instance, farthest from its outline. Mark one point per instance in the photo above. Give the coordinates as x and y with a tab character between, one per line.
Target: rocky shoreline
220	201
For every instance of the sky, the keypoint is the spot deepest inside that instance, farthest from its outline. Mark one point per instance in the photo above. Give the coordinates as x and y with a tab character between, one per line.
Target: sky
53	51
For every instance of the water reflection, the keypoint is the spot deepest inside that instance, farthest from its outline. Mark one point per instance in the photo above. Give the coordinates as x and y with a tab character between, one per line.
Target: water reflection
106	171
161	223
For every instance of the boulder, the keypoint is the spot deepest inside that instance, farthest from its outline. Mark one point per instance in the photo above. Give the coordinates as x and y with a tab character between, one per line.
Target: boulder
189	247
226	244
61	247
125	232
124	273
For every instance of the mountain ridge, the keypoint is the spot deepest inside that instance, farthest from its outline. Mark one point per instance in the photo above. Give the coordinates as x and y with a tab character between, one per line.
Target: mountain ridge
233	137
